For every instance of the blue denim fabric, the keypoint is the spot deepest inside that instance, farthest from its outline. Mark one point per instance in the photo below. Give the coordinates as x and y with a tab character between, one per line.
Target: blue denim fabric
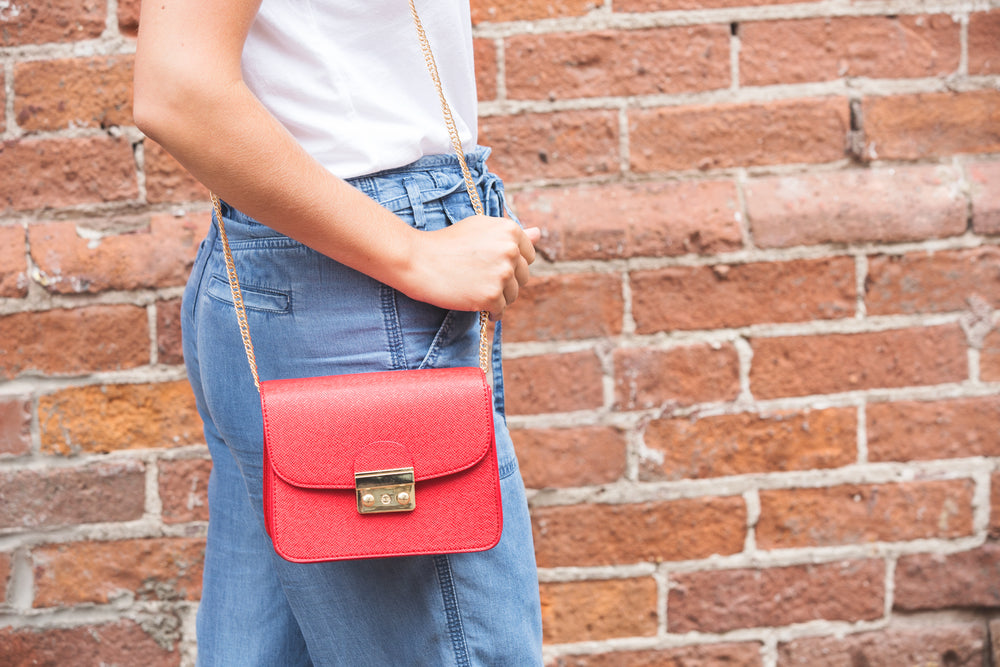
309	315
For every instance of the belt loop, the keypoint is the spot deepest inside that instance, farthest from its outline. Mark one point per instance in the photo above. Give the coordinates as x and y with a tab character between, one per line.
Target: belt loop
416	202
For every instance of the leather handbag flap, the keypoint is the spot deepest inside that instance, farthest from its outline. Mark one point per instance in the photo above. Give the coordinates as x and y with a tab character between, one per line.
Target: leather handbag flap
318	431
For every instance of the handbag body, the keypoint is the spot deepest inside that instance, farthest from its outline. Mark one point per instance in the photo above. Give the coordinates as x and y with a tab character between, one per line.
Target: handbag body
371	465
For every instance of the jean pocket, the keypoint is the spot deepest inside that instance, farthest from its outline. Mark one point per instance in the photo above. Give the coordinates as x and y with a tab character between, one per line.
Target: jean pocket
255	297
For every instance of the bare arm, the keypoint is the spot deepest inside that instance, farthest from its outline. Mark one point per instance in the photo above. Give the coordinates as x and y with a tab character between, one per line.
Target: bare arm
190	97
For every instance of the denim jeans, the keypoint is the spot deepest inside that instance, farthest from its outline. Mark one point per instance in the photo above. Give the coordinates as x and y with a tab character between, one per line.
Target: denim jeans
309	315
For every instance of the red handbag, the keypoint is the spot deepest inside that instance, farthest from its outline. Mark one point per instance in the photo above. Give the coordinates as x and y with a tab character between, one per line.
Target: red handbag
396	463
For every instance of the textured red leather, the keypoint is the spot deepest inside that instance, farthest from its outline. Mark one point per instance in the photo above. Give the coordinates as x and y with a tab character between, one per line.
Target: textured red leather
319	431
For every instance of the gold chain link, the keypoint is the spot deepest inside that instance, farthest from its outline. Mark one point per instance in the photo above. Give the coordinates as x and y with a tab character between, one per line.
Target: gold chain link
470	186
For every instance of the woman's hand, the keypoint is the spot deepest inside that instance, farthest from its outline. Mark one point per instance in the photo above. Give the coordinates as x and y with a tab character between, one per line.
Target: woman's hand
479	263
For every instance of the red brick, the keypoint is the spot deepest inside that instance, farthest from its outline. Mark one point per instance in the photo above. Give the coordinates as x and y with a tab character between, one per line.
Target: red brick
51	21
529	10
566	457
935	581
542	383
168	332
67	496
995	507
166	179
15	426
107	418
73	92
485	53
567	306
985	192
119	643
563	144
725	295
159	255
75	341
989	357
668	5
928	430
13	265
128	17
646	378
593	610
821	49
633	220
618	62
994	631
50	173
729	655
721	600
5	569
687	529
826	364
856	206
863	513
99	572
749	443
940	643
183	488
984	47
932	282
909	127
723	136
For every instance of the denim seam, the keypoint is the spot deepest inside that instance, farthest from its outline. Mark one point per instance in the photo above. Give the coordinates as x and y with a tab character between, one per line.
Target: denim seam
393	330
435	348
249	290
452	613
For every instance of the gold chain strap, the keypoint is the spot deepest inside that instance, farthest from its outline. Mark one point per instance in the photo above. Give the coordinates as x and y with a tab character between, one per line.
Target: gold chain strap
470	186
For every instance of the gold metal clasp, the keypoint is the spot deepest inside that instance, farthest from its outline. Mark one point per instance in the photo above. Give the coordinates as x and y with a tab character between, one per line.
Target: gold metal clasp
385	491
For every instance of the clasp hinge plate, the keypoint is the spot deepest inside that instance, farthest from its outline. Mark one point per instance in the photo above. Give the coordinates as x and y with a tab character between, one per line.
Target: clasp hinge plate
385	491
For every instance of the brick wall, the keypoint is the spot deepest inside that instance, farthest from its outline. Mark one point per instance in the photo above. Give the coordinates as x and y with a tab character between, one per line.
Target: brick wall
755	384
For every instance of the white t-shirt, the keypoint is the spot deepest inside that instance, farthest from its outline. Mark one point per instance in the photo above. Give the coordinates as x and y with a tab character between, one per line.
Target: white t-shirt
348	80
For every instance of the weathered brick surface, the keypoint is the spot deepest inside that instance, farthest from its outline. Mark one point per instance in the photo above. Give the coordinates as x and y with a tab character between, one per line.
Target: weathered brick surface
592	610
724	295
485	53
686	448
964	579
5	566
712	137
15	426
821	49
108	418
984	48
932	282
731	655
582	535
633	220
927	430
66	496
74	92
565	457
721	600
538	384
168	332
862	513
128	17
120	643
803	365
159	255
995	506
66	172
948	643
989	359
183	487
670	5
528	10
856	206
166	179
646	378
994	631
99	572
984	178
563	307
51	21
618	62
565	144
909	127
13	265
74	341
